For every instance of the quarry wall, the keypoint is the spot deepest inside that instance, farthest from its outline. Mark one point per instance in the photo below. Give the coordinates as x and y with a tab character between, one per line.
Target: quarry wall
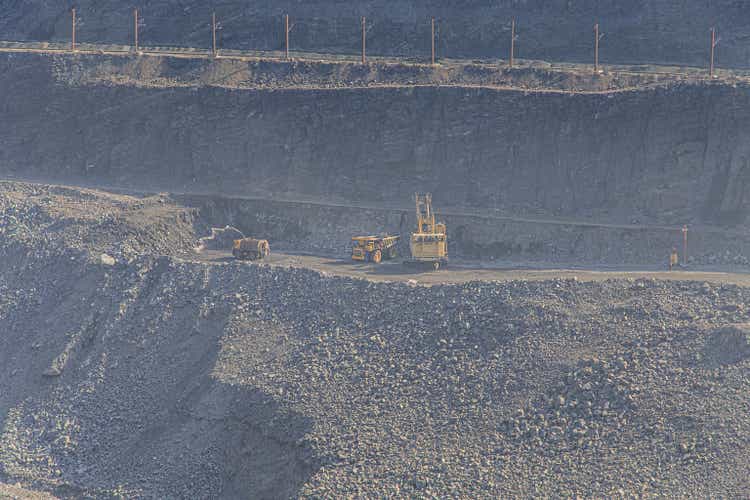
638	31
670	155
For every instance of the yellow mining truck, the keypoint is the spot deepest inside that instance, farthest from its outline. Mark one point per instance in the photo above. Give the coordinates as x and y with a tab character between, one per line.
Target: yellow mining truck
250	249
429	244
374	248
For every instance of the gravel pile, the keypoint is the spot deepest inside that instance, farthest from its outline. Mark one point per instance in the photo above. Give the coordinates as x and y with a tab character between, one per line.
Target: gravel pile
164	377
51	220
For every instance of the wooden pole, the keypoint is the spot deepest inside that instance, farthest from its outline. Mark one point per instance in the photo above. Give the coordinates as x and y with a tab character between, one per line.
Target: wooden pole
73	31
713	47
286	34
684	245
213	33
364	40
433	41
135	26
596	48
437	41
512	41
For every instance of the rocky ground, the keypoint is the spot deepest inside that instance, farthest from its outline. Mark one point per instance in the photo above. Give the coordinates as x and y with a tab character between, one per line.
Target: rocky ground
48	219
16	492
131	369
270	70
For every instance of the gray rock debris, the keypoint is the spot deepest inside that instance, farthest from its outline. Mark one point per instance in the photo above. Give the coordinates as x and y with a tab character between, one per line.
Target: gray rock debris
182	379
107	260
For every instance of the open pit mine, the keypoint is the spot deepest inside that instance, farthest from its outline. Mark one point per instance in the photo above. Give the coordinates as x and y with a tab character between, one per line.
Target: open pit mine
374	250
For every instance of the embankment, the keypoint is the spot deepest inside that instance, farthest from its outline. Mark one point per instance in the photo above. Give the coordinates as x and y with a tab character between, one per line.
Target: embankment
670	154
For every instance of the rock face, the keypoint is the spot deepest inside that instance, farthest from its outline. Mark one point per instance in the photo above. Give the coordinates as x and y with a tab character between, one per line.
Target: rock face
641	31
670	155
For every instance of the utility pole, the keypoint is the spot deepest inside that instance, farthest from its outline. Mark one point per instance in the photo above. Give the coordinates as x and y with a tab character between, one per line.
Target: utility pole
433	41
596	48
713	48
73	31
364	40
512	41
213	34
135	25
286	34
684	245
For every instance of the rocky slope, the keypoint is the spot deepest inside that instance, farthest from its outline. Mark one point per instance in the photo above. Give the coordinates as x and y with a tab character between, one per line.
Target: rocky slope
40	220
663	31
667	155
155	375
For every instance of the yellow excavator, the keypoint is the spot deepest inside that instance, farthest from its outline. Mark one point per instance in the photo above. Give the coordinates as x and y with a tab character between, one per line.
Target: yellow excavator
429	244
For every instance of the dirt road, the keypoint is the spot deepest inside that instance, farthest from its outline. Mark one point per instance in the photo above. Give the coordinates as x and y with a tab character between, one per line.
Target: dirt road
464	272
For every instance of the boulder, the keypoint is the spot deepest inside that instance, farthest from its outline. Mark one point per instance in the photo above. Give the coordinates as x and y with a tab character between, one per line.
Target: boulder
728	345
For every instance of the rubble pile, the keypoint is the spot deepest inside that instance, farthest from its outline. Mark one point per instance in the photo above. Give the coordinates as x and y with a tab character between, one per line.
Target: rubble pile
53	220
588	402
162	376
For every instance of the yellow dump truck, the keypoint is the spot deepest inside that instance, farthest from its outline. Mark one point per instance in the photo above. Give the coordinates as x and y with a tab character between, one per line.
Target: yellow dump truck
429	243
374	248
250	249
